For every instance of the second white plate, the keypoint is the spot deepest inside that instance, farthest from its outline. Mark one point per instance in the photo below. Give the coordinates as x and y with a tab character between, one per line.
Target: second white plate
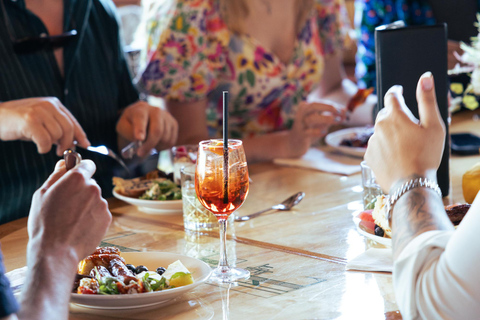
153	206
335	138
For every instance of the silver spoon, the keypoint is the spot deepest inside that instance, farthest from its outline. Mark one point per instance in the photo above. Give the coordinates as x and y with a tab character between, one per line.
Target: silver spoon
287	204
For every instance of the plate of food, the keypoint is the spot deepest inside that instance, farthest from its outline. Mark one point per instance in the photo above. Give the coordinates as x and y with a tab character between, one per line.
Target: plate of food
351	141
372	223
152	193
110	279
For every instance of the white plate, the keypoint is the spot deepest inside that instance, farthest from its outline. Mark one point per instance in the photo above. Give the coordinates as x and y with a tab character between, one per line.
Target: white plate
152	260
335	138
385	241
153	206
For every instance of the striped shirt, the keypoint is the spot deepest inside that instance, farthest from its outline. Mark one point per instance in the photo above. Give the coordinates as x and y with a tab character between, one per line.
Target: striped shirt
96	86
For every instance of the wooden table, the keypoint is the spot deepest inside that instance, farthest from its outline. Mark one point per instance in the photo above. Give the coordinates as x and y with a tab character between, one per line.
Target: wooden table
297	259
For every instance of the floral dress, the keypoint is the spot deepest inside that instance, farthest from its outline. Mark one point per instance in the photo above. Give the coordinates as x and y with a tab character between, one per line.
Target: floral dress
191	55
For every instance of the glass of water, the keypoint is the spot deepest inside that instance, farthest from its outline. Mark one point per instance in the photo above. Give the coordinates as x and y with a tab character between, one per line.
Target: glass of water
370	187
195	216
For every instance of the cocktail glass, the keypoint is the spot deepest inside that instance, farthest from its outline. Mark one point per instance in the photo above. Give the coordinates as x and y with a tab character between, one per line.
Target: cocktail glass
222	196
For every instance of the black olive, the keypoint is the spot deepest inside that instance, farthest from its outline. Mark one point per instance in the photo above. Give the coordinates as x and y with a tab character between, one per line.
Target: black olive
161	270
130	267
140	269
379	231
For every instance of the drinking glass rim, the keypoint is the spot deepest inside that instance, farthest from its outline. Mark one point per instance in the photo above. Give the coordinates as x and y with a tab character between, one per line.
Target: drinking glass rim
188	169
236	143
193	146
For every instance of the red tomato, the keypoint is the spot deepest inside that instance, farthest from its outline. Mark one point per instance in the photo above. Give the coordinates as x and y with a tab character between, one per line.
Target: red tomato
85	290
366	215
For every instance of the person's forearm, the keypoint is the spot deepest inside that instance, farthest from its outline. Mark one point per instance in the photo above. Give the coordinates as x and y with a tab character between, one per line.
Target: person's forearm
417	211
47	289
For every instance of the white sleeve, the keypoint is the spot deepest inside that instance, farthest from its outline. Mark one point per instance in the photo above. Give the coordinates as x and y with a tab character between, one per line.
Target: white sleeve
437	275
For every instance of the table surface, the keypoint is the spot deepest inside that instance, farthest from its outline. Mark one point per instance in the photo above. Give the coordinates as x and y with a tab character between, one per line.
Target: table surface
296	258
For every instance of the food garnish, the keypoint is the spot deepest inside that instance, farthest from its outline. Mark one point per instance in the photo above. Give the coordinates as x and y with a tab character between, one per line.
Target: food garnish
379	216
106	273
163	190
217	147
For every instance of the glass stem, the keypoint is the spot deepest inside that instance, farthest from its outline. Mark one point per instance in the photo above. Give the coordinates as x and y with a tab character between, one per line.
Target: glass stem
222	262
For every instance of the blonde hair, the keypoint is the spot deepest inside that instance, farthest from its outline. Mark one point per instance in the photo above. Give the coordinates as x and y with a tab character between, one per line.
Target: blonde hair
234	12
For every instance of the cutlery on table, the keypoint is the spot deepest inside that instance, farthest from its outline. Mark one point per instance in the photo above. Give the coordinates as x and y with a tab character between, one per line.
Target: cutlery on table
287	204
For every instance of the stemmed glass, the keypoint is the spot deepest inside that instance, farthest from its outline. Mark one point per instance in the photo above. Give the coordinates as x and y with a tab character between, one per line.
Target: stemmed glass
220	196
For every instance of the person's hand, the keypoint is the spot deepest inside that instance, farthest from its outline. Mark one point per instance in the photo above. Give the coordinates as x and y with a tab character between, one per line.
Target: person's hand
312	121
68	217
402	145
45	121
155	127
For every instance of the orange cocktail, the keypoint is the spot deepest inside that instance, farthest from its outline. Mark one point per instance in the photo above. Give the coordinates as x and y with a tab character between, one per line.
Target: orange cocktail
222	187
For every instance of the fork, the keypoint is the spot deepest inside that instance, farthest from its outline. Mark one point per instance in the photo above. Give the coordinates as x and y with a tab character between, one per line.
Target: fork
131	149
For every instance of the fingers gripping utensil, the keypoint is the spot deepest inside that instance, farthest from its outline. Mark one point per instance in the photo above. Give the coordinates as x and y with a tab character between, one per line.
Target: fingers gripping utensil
131	149
287	204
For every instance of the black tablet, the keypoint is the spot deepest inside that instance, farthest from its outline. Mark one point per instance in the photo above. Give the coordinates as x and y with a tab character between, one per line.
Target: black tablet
402	55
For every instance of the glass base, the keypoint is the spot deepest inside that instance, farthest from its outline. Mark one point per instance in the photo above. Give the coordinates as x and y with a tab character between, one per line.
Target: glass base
228	275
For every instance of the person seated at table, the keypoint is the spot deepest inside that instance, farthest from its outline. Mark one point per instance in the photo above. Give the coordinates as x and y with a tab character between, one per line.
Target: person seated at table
64	78
281	62
436	274
68	219
459	16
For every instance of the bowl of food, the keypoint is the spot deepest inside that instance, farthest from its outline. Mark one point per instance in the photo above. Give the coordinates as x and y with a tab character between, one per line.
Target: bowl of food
153	193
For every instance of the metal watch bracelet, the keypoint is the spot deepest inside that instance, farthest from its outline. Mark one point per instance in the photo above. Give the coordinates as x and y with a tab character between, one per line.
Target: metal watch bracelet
404	188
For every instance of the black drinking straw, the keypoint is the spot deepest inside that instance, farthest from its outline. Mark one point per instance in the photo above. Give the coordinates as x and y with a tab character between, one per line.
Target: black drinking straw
225	146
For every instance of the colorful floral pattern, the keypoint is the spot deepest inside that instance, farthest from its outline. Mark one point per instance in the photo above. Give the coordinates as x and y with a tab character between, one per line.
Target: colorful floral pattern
192	55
